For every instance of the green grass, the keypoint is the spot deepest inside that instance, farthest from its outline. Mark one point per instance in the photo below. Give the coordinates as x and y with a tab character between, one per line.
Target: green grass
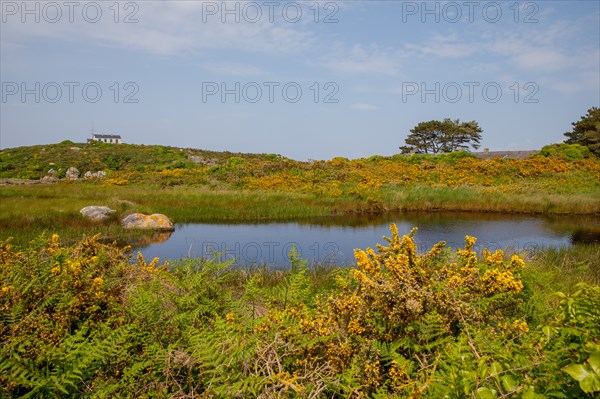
564	267
480	199
182	204
27	211
551	270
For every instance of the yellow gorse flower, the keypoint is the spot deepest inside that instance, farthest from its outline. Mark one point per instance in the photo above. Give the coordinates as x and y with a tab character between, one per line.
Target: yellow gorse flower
516	262
497	258
520	326
98	281
496	282
150	267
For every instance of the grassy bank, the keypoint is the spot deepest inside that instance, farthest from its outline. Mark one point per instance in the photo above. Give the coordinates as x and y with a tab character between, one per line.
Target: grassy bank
79	321
26	211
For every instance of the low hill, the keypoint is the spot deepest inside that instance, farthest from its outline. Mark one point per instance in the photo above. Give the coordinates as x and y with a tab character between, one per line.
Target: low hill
34	162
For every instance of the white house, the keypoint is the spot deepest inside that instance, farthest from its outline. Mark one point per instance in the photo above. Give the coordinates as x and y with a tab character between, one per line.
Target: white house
107	138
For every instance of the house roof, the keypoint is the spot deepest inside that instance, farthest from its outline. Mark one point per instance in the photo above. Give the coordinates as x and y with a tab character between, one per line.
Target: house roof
504	154
107	136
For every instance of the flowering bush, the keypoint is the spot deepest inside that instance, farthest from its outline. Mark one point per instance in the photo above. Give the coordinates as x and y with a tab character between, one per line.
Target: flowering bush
399	309
80	321
360	179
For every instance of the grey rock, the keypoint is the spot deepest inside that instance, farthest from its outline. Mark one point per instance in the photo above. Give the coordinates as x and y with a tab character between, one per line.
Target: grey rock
72	173
196	158
97	213
51	173
94	175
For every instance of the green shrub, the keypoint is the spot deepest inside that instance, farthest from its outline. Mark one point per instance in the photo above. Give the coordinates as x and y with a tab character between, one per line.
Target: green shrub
570	152
449	158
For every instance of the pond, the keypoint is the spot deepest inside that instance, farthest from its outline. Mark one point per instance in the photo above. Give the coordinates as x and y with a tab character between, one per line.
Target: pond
332	240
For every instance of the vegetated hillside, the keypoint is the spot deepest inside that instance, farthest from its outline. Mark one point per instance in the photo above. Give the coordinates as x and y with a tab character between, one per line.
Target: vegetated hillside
33	162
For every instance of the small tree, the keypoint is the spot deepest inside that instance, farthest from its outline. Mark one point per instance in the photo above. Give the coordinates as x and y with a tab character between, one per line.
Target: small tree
442	136
587	131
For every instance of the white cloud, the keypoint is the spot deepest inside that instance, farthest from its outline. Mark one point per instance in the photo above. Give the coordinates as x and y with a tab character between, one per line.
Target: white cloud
168	28
451	46
363	60
544	48
528	53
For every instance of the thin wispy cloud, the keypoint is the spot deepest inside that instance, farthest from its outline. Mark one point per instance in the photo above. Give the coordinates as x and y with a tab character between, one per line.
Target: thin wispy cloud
364	60
167	28
444	47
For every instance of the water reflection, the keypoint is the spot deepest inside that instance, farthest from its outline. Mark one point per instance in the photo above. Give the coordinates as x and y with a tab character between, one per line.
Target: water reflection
140	239
589	236
332	240
149	239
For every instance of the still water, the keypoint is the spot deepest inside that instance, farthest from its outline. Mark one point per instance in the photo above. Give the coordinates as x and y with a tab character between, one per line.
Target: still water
332	240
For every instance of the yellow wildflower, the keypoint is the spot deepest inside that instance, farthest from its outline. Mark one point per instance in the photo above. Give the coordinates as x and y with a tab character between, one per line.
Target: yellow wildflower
493	259
354	327
516	262
496	282
411	248
521	326
365	263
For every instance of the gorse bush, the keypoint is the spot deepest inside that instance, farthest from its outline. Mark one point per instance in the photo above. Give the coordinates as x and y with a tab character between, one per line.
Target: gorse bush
58	312
385	329
87	321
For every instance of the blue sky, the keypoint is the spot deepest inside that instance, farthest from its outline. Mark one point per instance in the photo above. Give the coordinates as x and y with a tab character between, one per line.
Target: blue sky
349	80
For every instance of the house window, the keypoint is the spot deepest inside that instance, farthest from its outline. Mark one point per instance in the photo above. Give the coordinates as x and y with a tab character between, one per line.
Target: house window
111	140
